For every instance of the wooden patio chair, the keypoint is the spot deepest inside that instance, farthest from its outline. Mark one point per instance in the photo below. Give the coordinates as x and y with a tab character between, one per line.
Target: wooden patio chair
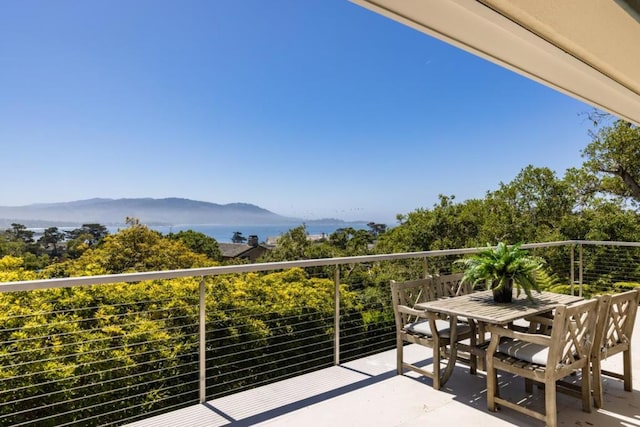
428	329
616	319
544	358
448	285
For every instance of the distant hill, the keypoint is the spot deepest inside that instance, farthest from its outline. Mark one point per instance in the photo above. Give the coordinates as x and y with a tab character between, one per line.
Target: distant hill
170	211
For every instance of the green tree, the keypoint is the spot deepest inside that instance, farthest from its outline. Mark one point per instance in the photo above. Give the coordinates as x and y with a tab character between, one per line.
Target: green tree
238	237
605	220
199	243
350	241
377	229
20	232
92	234
53	237
12	269
83	238
291	246
529	208
18	242
613	161
447	225
136	248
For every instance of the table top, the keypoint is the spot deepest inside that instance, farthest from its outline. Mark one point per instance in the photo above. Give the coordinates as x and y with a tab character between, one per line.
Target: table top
481	307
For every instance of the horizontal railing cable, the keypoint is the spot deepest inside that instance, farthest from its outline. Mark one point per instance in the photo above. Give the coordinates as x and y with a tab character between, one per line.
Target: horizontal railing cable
257	358
88	386
257	340
269	380
94	341
248	316
53	325
320	319
97	351
92	374
97	307
69	401
145	415
89	407
270	354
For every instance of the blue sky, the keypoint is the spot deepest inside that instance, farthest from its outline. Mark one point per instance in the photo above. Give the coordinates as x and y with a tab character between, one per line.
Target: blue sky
315	108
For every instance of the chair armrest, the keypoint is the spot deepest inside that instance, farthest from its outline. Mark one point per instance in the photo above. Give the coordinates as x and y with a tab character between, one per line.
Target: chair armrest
413	312
498	331
547	321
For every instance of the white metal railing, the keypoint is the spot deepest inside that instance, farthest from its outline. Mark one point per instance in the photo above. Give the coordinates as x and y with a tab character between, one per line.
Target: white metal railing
271	266
190	322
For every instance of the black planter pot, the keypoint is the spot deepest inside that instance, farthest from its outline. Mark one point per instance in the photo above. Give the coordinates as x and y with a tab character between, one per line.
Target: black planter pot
504	294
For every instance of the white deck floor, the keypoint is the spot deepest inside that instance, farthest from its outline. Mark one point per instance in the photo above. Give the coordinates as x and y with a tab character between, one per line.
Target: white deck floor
367	392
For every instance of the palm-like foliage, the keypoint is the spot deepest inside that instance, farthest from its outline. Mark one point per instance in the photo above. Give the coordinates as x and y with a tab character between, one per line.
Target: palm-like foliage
496	266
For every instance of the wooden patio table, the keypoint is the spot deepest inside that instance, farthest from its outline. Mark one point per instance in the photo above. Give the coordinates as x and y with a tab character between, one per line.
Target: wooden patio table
480	307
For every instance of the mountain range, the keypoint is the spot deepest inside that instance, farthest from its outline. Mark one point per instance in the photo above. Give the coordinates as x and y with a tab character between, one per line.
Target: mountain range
168	211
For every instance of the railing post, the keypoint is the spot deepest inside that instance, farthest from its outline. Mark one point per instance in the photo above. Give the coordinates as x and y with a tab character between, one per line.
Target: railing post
426	268
203	344
580	270
336	321
572	268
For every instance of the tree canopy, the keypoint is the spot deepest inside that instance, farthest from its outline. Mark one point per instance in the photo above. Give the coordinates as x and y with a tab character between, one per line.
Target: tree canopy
199	243
613	161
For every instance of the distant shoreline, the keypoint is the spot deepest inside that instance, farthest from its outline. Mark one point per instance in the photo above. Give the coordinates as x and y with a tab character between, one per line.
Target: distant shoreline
224	233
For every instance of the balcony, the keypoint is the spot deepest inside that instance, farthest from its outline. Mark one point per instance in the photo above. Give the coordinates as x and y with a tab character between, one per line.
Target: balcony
280	343
367	391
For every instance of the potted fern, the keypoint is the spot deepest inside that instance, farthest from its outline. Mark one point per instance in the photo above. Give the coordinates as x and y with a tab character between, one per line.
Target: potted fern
503	267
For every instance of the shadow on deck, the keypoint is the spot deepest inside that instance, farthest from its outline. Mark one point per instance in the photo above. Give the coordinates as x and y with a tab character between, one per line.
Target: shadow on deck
367	391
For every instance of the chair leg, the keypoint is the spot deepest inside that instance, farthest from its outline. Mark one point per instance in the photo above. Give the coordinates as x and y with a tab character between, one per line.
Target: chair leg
482	360
399	348
473	358
628	380
586	388
596	371
551	410
492	384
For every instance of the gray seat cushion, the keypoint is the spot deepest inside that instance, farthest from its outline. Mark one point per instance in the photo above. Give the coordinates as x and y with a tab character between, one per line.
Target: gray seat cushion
423	327
529	352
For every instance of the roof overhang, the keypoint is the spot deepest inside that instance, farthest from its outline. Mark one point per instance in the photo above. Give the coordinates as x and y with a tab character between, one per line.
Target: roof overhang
587	50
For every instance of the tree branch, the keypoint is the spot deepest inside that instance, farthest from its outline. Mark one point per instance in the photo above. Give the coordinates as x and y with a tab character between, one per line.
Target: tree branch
630	182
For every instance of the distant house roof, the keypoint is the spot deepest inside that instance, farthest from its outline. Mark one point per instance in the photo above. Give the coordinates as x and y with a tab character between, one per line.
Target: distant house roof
233	250
242	250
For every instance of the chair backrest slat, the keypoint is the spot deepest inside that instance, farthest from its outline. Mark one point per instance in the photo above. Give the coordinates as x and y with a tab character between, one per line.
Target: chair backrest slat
616	319
412	292
450	285
573	333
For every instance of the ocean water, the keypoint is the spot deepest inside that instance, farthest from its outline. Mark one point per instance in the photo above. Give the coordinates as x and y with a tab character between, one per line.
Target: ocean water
223	233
